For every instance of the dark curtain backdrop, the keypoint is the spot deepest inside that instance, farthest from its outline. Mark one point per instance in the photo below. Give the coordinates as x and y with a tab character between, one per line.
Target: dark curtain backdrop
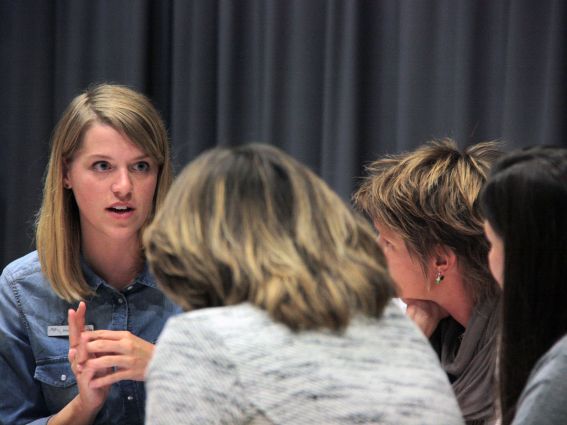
333	82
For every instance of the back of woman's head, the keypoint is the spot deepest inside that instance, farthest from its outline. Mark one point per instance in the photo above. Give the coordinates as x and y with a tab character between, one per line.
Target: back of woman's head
251	224
525	202
430	197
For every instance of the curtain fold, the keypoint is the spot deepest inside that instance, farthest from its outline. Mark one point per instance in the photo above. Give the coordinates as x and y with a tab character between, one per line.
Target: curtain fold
335	83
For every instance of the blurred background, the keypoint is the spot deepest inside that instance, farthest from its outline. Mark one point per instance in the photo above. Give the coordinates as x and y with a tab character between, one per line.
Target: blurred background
335	83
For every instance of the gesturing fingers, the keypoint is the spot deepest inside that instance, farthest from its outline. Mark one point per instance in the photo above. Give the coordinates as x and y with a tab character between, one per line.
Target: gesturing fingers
73	361
117	342
100	381
76	321
111	335
128	354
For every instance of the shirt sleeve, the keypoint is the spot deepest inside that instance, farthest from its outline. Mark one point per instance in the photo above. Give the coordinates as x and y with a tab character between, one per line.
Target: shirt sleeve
543	400
191	379
21	400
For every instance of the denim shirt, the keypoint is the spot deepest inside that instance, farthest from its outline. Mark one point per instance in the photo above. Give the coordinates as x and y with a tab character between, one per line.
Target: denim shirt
36	380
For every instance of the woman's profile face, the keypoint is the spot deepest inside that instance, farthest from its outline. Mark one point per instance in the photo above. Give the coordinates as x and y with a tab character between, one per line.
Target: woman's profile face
496	253
113	183
404	269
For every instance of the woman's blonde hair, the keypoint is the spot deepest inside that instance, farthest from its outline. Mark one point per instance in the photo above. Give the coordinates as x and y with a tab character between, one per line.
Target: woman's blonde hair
251	224
430	197
58	231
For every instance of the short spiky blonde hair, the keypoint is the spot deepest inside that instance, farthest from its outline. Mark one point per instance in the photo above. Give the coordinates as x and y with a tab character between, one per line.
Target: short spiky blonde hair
252	224
58	231
430	197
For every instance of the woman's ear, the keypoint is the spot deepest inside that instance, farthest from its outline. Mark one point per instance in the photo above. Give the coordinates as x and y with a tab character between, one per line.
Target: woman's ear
444	258
443	261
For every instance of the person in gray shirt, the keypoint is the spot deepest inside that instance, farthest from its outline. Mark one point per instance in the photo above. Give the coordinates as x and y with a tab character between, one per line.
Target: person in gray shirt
525	203
424	206
290	319
543	400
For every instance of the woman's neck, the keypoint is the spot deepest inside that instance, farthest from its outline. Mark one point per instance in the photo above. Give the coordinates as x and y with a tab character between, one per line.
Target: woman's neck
455	300
118	263
461	311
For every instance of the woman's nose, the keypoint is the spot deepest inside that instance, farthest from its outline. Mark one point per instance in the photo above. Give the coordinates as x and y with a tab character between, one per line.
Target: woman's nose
122	185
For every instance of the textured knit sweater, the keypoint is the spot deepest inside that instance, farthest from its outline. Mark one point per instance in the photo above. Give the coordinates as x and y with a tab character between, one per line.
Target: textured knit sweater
235	365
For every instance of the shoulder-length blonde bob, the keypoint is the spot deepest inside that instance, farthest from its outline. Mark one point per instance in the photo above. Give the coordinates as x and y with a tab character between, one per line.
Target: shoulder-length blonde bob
58	234
251	224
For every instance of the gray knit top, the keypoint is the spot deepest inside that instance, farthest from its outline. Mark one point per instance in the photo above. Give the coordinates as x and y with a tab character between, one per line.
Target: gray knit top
235	365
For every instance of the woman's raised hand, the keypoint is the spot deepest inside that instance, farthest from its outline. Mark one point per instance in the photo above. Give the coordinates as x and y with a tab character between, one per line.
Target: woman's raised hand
90	398
125	354
426	314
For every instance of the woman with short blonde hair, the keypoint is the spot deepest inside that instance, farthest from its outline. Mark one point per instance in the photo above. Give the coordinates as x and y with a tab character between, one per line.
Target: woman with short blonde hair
425	206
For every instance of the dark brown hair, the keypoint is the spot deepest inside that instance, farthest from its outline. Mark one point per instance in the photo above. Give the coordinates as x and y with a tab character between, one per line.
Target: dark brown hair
525	202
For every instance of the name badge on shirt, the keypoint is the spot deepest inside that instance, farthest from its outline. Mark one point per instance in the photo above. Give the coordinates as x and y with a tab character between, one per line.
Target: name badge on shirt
64	330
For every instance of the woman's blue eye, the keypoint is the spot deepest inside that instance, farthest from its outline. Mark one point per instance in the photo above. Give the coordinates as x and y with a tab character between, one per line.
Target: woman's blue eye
101	166
142	166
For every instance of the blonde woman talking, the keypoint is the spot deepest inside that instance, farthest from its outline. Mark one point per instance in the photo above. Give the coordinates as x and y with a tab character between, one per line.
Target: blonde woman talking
108	172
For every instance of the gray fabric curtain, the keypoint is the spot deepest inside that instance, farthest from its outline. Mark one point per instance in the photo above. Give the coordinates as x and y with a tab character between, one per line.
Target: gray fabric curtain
333	82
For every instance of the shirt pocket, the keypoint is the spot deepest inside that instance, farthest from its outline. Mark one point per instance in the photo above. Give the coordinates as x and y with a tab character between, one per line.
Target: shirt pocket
58	383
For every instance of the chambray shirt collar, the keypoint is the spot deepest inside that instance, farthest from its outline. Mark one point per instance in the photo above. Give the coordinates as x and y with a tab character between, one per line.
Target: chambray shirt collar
94	280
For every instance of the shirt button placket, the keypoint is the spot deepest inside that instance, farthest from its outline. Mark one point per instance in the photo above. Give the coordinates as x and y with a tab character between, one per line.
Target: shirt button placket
120	322
120	314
